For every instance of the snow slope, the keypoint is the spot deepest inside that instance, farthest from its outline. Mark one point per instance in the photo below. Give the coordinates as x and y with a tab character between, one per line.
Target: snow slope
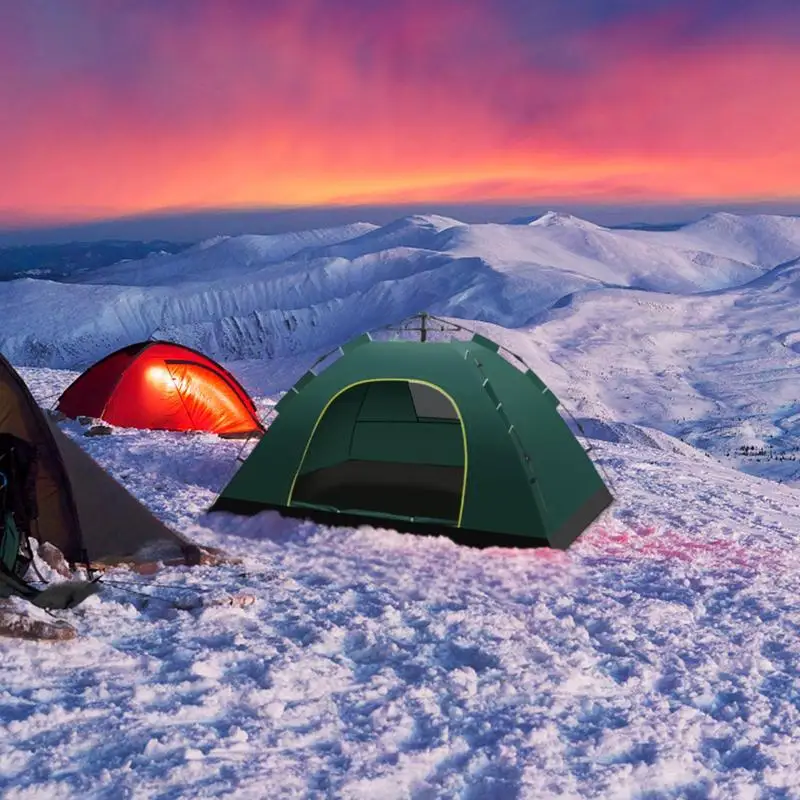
657	658
244	297
221	255
720	369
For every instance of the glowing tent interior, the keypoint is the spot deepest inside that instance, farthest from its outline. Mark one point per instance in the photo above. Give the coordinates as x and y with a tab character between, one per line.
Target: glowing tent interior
157	385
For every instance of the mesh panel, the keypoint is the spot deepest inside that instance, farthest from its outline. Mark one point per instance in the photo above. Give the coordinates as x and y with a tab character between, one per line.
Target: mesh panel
431	403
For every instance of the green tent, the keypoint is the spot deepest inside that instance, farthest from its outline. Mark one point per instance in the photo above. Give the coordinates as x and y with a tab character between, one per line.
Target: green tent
428	437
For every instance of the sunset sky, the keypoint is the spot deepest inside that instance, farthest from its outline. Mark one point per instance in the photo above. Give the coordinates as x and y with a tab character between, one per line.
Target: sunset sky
111	108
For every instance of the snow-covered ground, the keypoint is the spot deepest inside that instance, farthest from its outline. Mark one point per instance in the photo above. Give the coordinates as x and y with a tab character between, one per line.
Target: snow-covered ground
657	658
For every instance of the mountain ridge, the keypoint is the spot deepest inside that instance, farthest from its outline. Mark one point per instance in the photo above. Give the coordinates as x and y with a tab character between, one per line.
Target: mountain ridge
231	293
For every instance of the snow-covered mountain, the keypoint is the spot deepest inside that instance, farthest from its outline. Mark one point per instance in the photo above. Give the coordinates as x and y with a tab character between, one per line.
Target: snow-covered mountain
692	330
233	256
76	259
719	369
657	657
247	296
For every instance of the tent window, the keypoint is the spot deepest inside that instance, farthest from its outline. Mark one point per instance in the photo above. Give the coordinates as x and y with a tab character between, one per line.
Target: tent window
430	403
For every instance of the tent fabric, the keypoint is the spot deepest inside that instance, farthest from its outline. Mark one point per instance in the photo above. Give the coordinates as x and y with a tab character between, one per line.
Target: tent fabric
114	525
82	510
439	437
162	386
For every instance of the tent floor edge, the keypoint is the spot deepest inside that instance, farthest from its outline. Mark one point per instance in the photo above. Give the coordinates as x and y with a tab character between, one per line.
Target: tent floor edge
477	539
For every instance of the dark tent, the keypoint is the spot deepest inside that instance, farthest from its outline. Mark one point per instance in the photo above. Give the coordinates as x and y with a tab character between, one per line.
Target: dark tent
162	386
81	509
431	437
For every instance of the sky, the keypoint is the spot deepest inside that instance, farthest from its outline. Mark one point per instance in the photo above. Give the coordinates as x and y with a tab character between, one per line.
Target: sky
118	108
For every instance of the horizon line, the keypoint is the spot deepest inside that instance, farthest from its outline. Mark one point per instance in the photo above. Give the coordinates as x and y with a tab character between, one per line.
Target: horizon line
196	224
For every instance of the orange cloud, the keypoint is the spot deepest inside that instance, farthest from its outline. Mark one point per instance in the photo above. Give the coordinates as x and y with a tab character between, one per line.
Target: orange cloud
390	106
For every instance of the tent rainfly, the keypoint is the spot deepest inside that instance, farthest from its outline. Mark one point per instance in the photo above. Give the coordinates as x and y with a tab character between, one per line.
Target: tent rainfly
162	386
426	437
78	506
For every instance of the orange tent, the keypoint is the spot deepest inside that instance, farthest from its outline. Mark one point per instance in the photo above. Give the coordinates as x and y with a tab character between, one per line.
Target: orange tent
162	386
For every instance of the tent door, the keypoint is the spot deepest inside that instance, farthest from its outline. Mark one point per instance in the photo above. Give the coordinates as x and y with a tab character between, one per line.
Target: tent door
386	449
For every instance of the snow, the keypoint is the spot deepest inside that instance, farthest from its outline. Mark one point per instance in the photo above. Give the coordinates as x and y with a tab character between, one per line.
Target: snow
719	370
238	297
757	238
660	651
205	260
655	658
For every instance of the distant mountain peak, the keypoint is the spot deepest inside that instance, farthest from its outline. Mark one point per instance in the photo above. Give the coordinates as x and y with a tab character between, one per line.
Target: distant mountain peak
213	241
554	219
435	221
